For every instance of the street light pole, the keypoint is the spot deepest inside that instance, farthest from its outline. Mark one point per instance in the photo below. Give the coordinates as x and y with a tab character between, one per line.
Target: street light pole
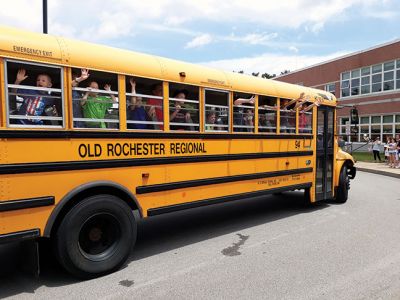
45	16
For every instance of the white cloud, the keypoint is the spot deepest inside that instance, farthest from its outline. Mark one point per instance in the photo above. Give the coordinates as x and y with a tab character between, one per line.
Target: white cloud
125	17
199	41
25	14
253	38
270	63
294	49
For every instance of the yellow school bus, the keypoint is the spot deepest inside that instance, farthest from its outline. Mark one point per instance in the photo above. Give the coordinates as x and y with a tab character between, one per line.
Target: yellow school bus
94	138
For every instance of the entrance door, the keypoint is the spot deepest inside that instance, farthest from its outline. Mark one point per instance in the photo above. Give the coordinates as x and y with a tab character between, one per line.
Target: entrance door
325	146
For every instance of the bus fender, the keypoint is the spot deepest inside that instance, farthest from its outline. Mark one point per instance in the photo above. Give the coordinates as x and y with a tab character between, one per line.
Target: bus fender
340	162
91	188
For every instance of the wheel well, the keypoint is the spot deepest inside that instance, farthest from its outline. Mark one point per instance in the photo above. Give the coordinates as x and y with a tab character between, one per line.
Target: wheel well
351	170
91	191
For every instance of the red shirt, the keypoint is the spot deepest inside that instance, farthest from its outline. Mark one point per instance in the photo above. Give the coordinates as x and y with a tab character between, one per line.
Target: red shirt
157	103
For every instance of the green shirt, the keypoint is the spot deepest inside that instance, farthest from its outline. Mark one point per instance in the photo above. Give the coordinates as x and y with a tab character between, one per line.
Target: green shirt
95	108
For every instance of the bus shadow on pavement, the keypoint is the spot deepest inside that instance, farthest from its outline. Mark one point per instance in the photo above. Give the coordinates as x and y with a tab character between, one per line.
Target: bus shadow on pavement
174	230
160	234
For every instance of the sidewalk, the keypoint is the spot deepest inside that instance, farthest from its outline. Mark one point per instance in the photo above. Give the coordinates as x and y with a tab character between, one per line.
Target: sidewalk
377	168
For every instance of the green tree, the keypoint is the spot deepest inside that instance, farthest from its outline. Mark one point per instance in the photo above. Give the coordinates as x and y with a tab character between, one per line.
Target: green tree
285	72
268	76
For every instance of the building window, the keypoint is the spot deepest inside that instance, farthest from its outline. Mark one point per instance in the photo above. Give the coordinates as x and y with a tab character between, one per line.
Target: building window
345	84
364	120
371	79
373	126
375	119
330	87
388	119
397	128
398	73
376	83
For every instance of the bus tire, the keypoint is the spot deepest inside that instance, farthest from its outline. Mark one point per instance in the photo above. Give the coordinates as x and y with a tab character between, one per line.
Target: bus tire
342	191
96	236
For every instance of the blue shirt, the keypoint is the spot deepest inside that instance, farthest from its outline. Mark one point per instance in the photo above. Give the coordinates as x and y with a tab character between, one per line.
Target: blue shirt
138	114
33	105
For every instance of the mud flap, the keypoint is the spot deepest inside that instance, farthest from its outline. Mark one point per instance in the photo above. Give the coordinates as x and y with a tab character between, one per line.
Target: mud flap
29	254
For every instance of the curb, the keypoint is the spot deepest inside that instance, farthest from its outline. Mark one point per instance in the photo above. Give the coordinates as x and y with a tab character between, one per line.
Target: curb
384	173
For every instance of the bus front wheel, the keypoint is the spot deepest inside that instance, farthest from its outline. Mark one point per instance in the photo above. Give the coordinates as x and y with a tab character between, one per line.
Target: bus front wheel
342	191
96	236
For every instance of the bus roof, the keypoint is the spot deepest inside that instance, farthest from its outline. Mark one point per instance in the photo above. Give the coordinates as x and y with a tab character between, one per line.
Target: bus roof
43	48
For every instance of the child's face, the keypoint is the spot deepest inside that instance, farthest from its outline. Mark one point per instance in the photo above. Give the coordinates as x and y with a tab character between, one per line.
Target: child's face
211	119
93	85
43	81
158	90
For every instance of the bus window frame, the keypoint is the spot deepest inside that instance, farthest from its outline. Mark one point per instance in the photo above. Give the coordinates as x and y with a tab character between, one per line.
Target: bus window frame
3	108
172	99
276	114
228	93
6	84
127	95
253	128
289	111
100	91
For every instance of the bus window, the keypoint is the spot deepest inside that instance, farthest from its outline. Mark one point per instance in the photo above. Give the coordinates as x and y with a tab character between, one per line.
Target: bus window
35	96
243	112
288	116
95	99
183	107
305	118
144	100
267	112
216	111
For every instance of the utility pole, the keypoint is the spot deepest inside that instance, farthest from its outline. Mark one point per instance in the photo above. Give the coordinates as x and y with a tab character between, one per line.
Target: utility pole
45	16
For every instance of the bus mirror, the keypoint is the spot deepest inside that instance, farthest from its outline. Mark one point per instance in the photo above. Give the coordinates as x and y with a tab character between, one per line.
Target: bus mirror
354	116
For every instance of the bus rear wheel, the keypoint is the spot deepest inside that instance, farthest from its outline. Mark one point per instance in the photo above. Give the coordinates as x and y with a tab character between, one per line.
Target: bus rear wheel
96	236
342	191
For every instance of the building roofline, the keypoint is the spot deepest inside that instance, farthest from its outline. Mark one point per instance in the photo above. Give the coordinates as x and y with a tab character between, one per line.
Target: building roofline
341	57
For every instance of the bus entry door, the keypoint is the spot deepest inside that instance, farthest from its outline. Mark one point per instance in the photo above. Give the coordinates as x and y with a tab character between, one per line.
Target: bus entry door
325	147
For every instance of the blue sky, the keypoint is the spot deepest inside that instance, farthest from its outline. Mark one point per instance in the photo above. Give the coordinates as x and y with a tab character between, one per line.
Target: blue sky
250	35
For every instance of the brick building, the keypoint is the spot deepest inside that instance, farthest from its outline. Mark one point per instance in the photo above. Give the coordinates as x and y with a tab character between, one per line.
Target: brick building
369	80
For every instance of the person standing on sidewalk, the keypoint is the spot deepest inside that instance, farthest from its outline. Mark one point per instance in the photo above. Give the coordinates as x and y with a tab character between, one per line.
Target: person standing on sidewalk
376	148
398	151
392	152
386	150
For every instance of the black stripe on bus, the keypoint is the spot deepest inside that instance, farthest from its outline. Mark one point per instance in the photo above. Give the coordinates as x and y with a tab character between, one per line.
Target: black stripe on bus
210	201
216	180
19	236
29	134
26	203
119	163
